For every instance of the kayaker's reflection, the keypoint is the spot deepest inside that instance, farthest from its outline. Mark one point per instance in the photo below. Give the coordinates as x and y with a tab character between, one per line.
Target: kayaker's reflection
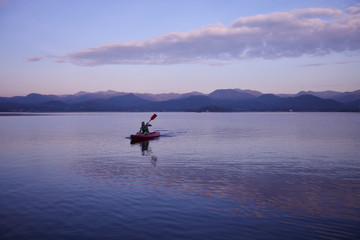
146	150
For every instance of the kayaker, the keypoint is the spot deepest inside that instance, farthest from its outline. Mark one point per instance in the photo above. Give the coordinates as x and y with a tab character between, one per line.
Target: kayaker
145	128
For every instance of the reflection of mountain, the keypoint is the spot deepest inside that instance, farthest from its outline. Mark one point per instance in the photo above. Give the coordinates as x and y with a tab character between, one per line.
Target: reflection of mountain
219	100
255	193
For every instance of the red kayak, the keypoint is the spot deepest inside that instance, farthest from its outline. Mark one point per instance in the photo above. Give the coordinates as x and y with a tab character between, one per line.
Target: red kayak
145	136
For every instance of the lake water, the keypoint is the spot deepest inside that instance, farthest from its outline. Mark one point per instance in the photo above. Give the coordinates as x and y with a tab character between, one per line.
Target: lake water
209	176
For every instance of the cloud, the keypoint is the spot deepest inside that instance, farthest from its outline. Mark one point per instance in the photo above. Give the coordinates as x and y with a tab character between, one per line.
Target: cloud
4	2
353	10
36	59
331	63
296	33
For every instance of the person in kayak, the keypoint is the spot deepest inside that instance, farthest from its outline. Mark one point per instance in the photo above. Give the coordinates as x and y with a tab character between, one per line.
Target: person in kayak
145	128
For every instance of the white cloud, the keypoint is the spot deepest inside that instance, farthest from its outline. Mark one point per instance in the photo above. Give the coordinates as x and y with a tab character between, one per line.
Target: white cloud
354	10
310	32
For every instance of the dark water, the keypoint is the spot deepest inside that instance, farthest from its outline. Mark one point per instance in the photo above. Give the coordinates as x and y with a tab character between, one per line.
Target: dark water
209	176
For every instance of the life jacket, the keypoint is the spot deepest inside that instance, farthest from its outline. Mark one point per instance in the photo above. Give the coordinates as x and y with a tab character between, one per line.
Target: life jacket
144	129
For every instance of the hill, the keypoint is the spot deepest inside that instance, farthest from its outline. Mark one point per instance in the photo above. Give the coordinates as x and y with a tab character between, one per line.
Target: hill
219	100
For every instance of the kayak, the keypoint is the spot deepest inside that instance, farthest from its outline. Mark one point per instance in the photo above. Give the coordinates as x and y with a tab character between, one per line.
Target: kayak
145	136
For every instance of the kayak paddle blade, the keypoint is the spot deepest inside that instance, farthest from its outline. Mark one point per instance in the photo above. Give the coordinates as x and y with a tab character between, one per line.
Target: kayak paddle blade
153	117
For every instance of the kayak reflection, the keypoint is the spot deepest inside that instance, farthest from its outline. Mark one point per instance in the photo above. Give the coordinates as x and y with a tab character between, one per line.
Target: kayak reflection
146	150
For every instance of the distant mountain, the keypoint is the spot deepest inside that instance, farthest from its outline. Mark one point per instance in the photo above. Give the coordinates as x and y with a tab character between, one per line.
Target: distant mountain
344	97
355	104
158	97
234	94
185	104
32	98
347	97
219	100
166	96
324	94
85	96
312	103
128	102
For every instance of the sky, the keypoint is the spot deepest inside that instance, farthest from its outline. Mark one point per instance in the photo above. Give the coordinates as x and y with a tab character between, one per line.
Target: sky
179	46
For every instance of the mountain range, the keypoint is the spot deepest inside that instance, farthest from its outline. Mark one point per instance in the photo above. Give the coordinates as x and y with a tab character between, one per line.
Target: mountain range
221	100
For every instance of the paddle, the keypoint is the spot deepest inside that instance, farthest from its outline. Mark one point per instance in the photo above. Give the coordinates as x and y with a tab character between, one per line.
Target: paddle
152	118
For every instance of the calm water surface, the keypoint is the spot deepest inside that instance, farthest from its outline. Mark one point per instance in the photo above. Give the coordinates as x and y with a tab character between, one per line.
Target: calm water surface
209	176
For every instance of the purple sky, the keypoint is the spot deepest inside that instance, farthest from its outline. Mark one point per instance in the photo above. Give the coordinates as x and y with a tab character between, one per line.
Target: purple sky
62	47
